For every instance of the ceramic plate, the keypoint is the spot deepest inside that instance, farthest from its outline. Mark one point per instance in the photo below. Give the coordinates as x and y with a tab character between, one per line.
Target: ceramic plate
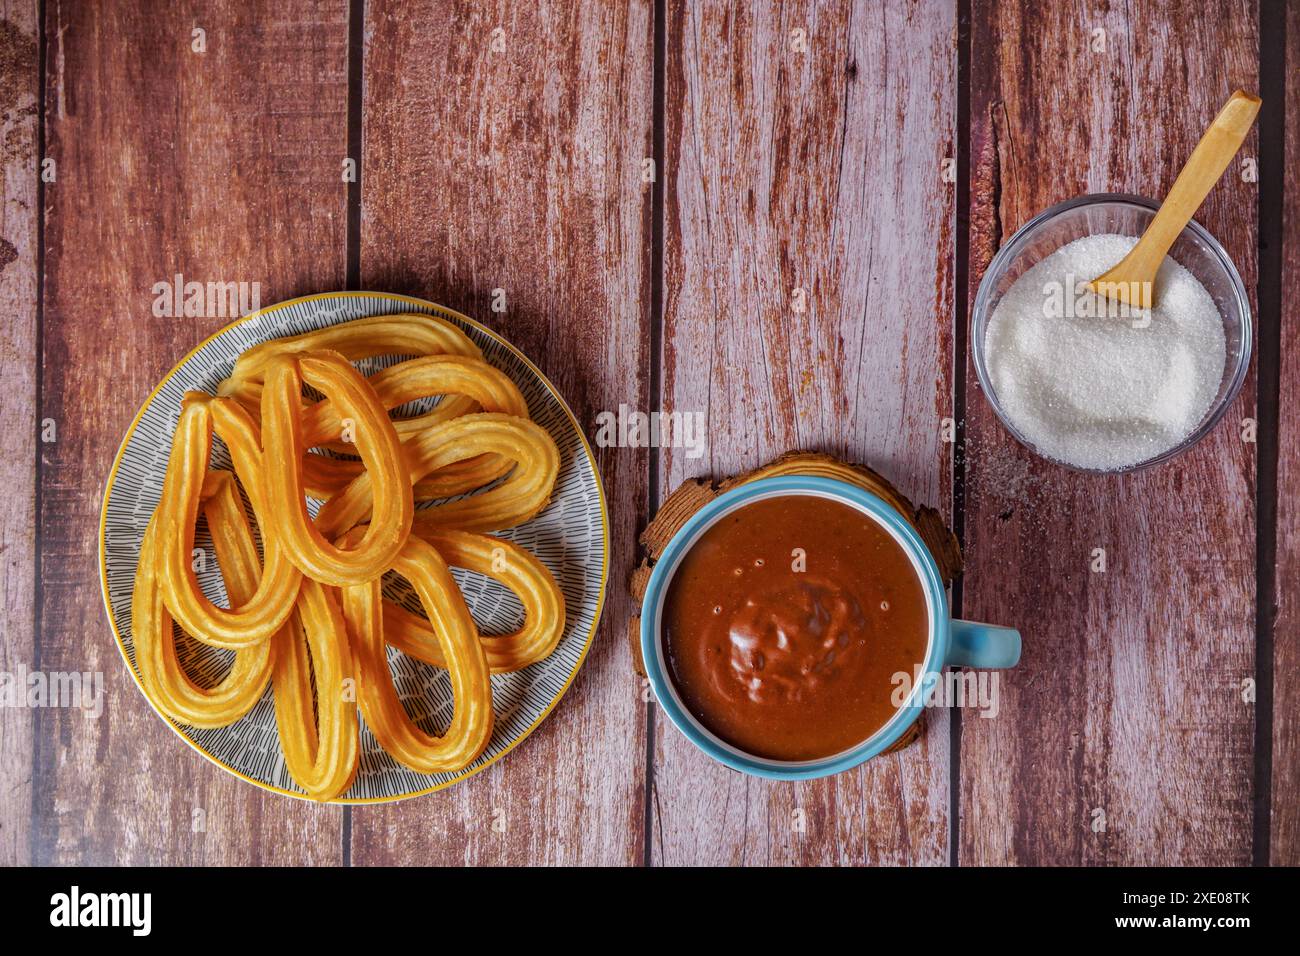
571	537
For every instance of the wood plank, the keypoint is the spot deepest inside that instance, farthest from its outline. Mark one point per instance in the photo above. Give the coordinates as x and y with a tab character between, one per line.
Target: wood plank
1129	698
20	88
221	166
525	175
1285	842
816	169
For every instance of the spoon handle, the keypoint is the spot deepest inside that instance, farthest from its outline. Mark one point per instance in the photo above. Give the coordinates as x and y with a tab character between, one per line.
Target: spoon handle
1204	168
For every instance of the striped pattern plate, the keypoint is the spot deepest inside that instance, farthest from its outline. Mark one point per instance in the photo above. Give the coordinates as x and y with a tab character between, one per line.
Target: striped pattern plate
570	537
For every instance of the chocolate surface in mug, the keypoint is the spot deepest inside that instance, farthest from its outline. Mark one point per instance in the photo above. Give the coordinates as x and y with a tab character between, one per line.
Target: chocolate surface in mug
785	624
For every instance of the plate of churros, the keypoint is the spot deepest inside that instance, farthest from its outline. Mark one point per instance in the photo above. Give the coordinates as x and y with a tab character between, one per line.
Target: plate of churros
354	547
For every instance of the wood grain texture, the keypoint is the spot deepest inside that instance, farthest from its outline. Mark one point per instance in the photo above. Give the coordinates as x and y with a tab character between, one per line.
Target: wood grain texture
221	166
20	85
1128	699
503	151
804	151
1285	798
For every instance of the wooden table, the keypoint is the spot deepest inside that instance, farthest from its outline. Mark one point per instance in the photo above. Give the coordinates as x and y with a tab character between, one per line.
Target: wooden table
773	214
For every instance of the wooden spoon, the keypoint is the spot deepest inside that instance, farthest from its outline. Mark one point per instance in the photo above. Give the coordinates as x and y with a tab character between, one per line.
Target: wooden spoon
1131	280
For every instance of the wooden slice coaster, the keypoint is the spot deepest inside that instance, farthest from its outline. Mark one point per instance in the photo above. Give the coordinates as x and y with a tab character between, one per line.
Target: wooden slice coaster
695	493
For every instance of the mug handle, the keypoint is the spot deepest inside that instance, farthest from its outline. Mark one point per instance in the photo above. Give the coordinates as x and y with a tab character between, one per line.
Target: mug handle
983	645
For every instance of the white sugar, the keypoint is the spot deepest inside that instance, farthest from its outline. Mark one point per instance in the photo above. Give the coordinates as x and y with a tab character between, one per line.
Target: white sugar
1099	390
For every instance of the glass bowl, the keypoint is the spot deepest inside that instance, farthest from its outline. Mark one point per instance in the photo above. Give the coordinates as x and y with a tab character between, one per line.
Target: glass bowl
1195	249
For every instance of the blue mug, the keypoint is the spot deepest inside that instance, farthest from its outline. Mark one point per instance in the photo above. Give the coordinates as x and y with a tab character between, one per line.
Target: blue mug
952	642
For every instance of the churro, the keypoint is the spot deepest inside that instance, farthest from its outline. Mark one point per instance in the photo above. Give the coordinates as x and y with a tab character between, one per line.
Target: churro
463	654
508	564
246	624
491	389
321	751
308	616
168	686
376	440
521	496
411	333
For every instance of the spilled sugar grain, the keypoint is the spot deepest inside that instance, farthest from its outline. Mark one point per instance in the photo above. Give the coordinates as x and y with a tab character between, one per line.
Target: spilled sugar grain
1098	391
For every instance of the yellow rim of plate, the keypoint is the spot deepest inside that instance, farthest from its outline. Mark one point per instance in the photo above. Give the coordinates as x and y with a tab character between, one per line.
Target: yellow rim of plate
449	313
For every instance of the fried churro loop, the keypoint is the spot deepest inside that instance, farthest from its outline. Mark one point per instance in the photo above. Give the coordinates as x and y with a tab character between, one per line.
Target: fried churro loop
410	333
490	388
522	495
508	564
310	618
325	477
322	752
471	724
172	690
376	440
245	624
424	377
